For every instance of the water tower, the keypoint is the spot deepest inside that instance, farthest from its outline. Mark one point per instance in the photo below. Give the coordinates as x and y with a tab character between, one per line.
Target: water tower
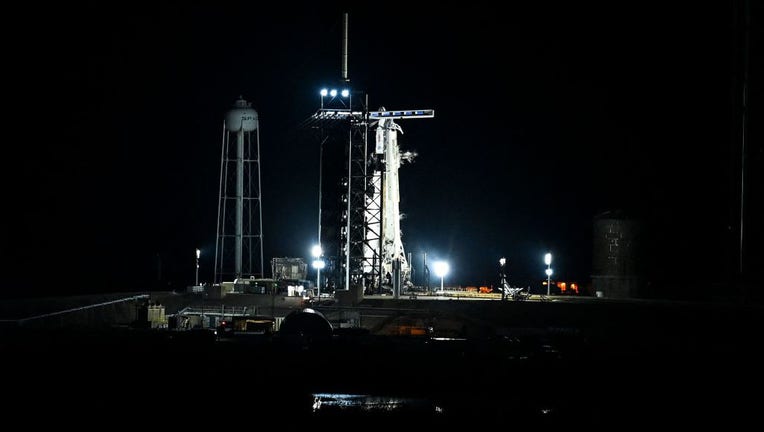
239	245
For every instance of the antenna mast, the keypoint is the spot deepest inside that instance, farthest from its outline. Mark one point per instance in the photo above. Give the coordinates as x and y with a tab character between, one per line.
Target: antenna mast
345	48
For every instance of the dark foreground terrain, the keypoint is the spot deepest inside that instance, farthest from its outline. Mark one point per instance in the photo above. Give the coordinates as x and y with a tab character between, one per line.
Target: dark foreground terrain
638	365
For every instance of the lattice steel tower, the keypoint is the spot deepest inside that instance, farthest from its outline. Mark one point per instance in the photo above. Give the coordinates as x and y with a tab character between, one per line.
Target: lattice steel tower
359	218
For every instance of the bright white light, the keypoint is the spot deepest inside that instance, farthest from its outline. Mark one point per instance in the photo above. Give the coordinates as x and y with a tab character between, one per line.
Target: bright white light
502	261
316	251
319	264
324	92
548	259
333	93
345	93
548	272
198	253
441	268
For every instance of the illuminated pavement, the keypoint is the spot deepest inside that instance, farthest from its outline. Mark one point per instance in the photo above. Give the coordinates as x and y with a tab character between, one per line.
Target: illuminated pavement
461	295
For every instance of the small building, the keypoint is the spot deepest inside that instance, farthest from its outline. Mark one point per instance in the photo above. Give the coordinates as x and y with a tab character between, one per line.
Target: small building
289	268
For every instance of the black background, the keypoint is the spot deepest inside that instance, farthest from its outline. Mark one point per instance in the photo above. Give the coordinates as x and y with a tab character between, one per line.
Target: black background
546	116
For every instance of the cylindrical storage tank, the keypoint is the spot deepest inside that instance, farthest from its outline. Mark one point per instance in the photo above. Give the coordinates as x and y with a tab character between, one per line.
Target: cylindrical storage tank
306	322
616	268
241	117
305	328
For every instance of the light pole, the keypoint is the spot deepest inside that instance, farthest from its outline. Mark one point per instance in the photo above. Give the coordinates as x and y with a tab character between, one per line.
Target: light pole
503	282
318	264
198	254
426	273
317	251
441	269
201	317
323	93
548	262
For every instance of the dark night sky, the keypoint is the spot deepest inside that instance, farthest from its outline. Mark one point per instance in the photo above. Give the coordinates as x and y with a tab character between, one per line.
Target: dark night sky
545	117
